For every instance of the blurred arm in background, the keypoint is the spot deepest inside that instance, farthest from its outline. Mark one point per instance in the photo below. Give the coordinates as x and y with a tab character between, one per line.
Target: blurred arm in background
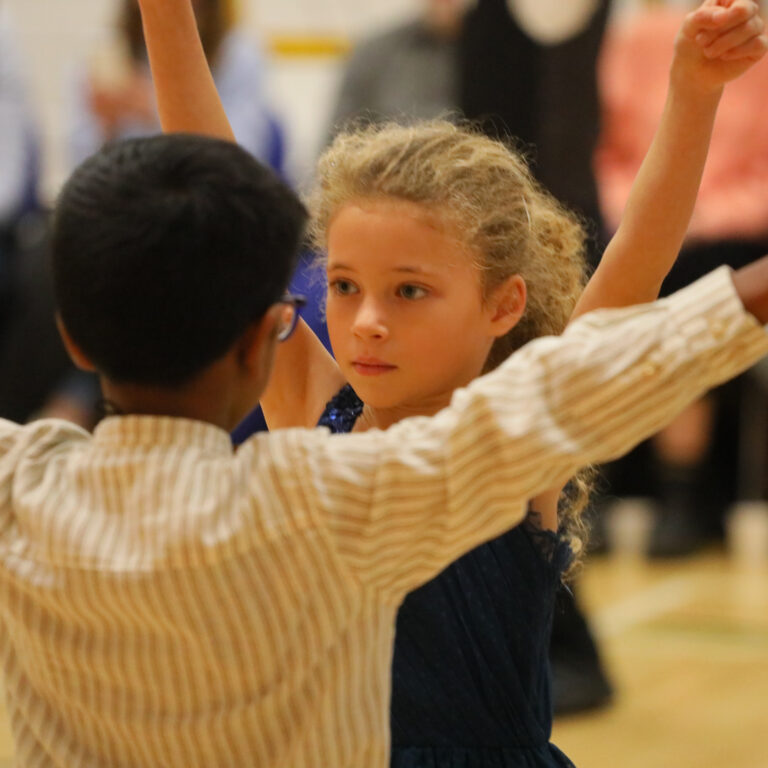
113	98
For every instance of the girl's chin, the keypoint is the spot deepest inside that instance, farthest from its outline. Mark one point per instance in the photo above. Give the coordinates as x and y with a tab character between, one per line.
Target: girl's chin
375	392
376	396
382	395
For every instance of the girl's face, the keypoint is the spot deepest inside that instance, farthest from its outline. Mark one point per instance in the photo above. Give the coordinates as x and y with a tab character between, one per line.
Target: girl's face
406	314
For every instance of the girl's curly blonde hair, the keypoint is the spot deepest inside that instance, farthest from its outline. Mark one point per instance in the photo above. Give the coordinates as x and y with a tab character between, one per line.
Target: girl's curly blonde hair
483	190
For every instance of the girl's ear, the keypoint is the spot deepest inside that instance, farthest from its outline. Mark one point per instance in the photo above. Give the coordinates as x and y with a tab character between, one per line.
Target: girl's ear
507	304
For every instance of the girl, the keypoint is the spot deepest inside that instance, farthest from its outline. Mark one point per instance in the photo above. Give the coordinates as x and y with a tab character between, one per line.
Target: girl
444	256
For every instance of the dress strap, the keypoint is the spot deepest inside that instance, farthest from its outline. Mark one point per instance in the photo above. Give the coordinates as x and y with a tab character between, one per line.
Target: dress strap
552	546
342	412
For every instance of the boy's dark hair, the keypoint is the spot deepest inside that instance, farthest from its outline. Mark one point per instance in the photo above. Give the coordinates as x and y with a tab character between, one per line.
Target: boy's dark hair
165	249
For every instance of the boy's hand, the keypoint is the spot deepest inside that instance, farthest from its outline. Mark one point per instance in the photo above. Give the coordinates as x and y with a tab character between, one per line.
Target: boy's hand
751	284
717	43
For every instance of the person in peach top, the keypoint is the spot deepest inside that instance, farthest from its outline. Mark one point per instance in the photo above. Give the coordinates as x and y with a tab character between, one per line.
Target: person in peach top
634	70
729	225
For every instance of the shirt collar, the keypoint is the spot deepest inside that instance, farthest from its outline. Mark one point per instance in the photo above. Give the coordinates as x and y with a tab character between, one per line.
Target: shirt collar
156	431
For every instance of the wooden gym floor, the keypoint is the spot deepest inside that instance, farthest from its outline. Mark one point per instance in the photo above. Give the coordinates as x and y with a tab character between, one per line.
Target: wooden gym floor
687	647
686	644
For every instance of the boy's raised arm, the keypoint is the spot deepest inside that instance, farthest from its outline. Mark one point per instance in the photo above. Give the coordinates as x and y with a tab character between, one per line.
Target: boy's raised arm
186	94
717	43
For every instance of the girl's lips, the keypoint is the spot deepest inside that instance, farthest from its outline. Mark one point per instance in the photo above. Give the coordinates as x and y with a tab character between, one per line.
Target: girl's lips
372	367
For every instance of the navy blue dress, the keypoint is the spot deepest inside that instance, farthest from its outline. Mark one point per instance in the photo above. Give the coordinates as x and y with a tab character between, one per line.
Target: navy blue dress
470	676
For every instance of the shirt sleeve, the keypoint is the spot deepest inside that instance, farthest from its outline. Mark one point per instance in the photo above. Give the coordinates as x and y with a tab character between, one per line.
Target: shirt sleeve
25	446
9	456
401	505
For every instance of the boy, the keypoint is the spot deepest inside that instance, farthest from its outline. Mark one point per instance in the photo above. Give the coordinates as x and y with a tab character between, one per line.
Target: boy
167	601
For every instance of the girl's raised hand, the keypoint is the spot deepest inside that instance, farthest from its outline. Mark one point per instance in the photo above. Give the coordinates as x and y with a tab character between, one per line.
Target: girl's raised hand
718	42
187	98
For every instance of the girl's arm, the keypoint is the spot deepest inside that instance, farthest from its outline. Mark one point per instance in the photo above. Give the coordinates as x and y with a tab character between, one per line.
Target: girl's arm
305	376
717	43
187	99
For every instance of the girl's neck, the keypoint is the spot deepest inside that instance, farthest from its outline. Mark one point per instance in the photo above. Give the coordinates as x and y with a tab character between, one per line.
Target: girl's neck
383	418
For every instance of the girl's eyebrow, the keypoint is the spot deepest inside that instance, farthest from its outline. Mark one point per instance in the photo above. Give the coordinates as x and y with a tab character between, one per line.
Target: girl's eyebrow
411	270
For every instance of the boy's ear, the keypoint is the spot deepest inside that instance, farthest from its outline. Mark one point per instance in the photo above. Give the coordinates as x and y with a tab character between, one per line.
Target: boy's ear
507	304
77	356
256	345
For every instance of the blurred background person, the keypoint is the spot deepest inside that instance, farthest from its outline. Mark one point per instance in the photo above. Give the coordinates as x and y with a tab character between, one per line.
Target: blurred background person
528	69
18	151
113	96
408	72
32	358
689	469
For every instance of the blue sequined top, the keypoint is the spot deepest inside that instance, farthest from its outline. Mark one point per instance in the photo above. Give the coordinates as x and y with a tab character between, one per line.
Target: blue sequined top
470	674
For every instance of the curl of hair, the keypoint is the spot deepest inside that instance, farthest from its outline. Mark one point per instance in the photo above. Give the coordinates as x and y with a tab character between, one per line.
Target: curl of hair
483	190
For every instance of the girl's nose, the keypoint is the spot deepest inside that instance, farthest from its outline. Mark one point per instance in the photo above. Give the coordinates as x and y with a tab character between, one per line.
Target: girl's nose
370	322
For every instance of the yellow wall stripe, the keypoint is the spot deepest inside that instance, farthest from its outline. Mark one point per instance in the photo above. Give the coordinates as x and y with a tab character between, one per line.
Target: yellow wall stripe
309	46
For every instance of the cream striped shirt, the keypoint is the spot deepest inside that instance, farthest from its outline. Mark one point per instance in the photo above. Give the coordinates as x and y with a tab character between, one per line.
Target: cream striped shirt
166	601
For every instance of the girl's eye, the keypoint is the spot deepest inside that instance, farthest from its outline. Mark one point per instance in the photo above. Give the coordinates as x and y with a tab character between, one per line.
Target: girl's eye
411	292
343	287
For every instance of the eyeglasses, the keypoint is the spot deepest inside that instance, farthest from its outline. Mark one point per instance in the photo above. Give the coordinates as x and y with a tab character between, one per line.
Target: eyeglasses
289	316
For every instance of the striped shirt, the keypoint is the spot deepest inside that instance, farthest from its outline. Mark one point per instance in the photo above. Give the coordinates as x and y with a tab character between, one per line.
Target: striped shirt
167	601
